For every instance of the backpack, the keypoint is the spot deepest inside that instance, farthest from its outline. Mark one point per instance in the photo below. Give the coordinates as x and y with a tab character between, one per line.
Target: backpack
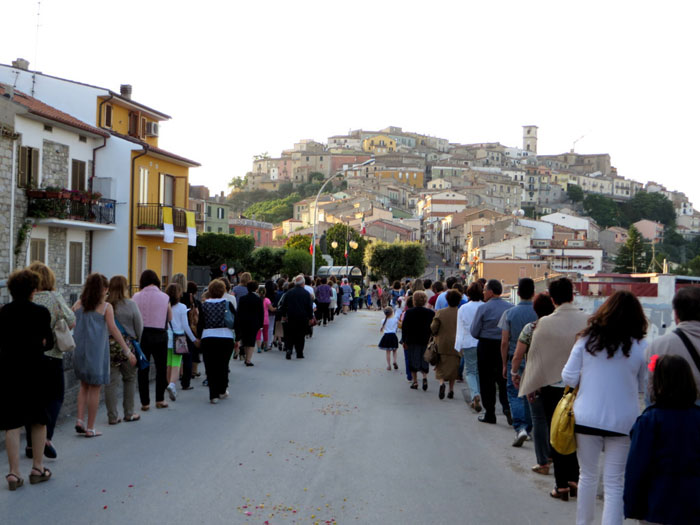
193	315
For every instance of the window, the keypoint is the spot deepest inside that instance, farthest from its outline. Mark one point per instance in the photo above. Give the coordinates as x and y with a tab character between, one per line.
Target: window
133	124
208	228
141	260
75	263
143	186
37	250
167	267
167	189
77	180
220	230
28	167
220	213
48	128
208	211
108	115
82	138
143	126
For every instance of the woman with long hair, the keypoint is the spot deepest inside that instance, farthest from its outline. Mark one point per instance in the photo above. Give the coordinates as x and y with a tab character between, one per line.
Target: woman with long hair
128	320
91	362
47	296
607	365
179	327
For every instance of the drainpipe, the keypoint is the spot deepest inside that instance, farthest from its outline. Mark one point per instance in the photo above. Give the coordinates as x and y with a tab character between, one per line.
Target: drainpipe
99	117
132	203
92	176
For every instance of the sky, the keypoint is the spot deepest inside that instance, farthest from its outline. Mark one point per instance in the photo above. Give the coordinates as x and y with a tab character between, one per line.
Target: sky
243	78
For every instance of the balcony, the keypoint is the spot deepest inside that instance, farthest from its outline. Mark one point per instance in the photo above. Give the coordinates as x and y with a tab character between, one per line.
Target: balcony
149	220
79	210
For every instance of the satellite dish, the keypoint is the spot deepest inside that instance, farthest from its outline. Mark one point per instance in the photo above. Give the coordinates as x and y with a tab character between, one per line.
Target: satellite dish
521	213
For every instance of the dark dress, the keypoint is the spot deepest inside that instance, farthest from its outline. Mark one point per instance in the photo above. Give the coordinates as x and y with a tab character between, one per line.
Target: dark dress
416	333
250	318
26	335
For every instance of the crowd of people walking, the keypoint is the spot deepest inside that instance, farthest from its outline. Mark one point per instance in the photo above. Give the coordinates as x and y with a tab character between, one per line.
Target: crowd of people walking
527	356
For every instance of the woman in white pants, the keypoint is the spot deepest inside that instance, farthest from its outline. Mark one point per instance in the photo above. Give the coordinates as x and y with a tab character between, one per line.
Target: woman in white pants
607	364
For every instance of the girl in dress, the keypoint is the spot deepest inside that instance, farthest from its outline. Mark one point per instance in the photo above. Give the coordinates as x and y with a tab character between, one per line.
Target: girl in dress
262	340
389	341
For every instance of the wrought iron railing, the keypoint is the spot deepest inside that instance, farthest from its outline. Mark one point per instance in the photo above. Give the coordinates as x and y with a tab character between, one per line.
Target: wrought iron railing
101	211
150	217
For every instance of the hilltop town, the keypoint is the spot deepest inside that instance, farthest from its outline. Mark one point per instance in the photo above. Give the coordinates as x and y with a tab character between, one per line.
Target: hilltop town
484	208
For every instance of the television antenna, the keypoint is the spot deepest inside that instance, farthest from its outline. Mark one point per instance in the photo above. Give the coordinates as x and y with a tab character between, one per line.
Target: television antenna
36	37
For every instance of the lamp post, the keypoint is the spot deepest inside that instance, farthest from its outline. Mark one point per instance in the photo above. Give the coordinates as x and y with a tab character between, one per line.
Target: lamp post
313	235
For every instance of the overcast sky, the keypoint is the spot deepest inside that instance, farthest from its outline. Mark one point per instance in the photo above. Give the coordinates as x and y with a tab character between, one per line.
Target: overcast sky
242	78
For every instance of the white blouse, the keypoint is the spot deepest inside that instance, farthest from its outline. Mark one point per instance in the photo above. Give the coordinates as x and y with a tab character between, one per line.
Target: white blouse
465	316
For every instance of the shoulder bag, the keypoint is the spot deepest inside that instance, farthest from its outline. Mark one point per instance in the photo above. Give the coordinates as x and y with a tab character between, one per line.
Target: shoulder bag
64	339
179	342
689	346
228	316
431	354
561	430
143	363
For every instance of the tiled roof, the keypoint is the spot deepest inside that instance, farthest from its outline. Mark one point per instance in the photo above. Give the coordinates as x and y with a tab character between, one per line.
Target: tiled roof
154	149
39	108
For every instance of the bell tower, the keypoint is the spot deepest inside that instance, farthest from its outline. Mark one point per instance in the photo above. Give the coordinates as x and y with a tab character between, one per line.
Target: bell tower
530	139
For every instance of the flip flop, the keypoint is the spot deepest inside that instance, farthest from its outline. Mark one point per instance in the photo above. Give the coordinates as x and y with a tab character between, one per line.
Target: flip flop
133	417
91	433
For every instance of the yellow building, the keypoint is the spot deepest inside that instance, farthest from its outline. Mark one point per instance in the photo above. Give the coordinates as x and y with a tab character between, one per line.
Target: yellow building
379	145
412	176
159	188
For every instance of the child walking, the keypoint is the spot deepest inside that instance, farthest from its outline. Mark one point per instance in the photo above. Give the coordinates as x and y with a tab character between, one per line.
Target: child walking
389	341
662	479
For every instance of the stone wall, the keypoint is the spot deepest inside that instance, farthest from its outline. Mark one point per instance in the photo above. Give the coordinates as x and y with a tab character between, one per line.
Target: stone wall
55	164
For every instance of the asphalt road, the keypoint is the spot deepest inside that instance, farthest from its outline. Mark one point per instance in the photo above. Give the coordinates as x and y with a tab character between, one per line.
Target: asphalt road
333	438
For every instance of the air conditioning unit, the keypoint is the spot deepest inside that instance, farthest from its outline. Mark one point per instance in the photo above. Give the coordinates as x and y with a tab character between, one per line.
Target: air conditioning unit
151	129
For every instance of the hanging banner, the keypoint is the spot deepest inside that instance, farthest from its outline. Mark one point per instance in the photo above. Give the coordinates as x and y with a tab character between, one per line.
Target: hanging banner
168	231
191	229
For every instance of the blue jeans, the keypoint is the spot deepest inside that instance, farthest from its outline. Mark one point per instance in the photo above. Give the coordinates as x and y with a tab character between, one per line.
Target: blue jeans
472	372
519	407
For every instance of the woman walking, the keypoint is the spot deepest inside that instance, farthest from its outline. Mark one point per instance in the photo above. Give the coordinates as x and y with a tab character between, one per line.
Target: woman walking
180	328
271	294
91	358
389	342
249	320
216	339
607	366
26	329
191	360
154	306
465	343
416	333
347	296
261	339
444	329
47	296
129	323
543	306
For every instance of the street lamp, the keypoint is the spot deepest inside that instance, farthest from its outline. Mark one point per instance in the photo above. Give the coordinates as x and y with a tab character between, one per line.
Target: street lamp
313	235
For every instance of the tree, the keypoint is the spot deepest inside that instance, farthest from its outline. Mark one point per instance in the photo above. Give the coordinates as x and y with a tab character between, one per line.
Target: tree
395	260
275	210
239	182
264	262
693	267
602	210
338	233
298	242
316	176
215	249
651	206
296	261
575	193
633	256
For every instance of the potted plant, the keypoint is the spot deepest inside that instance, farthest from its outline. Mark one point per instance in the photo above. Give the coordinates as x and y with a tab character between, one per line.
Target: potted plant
35	193
53	192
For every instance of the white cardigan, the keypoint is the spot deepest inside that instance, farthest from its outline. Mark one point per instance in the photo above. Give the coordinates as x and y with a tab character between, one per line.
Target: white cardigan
465	316
608	397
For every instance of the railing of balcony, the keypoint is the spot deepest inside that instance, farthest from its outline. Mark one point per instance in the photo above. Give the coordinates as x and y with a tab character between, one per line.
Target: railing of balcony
101	211
150	217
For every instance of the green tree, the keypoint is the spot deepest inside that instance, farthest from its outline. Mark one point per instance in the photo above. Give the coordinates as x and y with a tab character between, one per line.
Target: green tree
275	210
575	193
633	256
395	260
693	267
651	206
602	210
298	242
296	261
215	249
316	176
264	262
338	233
239	182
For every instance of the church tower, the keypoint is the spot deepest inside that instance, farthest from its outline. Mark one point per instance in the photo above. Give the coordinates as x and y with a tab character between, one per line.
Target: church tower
530	139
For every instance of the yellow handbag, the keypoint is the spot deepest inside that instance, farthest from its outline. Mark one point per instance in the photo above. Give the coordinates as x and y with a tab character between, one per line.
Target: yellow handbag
561	430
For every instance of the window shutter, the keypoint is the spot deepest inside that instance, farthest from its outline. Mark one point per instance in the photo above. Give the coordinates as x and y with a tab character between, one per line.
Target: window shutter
34	181
75	269
22	175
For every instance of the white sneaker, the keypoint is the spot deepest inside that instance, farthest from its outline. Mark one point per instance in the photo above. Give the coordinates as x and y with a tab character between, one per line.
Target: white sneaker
214	401
520	438
224	395
172	392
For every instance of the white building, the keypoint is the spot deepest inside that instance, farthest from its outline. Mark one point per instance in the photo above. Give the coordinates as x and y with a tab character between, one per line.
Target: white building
575	223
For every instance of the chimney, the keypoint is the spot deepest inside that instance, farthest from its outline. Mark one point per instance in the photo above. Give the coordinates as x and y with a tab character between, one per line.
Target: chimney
125	90
21	63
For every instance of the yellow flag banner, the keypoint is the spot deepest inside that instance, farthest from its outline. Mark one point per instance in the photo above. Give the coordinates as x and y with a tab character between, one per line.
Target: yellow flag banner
168	230
191	229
